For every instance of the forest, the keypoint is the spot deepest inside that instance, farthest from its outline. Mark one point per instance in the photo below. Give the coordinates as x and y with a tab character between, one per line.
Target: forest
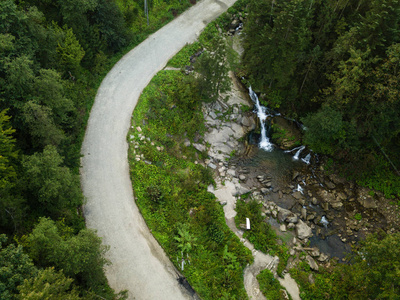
334	66
53	56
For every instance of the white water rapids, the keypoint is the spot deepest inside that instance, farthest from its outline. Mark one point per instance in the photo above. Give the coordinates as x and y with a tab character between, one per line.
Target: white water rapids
262	115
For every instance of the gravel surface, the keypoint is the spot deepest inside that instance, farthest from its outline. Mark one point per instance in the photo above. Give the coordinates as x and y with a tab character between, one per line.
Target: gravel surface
139	264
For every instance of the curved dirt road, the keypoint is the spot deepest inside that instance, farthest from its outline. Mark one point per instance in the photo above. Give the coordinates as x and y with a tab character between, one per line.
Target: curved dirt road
138	262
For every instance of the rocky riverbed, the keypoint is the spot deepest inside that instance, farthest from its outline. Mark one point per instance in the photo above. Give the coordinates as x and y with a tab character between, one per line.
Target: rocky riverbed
317	213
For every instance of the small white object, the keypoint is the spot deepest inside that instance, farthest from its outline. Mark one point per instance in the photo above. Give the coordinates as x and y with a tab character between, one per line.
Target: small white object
247	223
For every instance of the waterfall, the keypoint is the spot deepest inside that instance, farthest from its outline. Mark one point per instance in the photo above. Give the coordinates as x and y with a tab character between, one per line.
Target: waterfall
296	156
307	159
324	221
262	115
299	188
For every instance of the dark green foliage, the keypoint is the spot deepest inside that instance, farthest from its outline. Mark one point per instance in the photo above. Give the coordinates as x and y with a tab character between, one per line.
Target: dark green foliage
51	187
15	267
48	284
270	286
81	256
372	274
334	64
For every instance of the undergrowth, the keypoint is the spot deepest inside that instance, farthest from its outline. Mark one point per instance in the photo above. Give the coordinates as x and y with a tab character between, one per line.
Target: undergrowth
261	235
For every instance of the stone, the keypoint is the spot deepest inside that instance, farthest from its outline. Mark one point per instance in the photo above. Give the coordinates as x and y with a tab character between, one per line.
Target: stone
297	195
280	194
311	278
329	184
212	115
212	166
314	201
303	231
139	129
315	252
268	184
241	190
242	177
283	214
312	263
337	205
264	191
282	228
304	213
292	252
295	174
290	226
231	172
283	294
365	199
274	213
200	147
322	257
292	218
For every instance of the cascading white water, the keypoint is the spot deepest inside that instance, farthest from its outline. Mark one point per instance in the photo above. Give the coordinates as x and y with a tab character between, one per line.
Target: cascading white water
307	159
324	221
296	156
262	115
299	188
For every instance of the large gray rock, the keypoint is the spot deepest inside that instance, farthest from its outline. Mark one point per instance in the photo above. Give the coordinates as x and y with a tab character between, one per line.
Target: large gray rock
200	147
313	264
303	231
283	214
292	218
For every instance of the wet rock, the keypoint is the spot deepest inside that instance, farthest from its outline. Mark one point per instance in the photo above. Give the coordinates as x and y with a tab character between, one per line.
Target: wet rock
337	205
304	213
329	184
303	231
297	195
315	252
314	201
322	257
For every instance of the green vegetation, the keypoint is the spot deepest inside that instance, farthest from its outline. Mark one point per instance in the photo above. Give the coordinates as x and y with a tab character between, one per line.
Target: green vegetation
53	56
171	189
334	66
261	235
373	274
270	286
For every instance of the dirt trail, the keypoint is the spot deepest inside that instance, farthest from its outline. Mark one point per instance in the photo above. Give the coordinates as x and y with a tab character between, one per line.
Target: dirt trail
138	262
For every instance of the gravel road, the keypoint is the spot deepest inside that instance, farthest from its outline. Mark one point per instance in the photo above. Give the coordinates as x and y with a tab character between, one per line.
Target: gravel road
139	265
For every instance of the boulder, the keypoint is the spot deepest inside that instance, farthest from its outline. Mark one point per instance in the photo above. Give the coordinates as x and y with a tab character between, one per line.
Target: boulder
297	195
303	231
292	218
283	214
313	264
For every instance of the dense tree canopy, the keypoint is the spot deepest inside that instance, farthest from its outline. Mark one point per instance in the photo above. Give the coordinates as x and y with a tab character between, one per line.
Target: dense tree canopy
335	66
